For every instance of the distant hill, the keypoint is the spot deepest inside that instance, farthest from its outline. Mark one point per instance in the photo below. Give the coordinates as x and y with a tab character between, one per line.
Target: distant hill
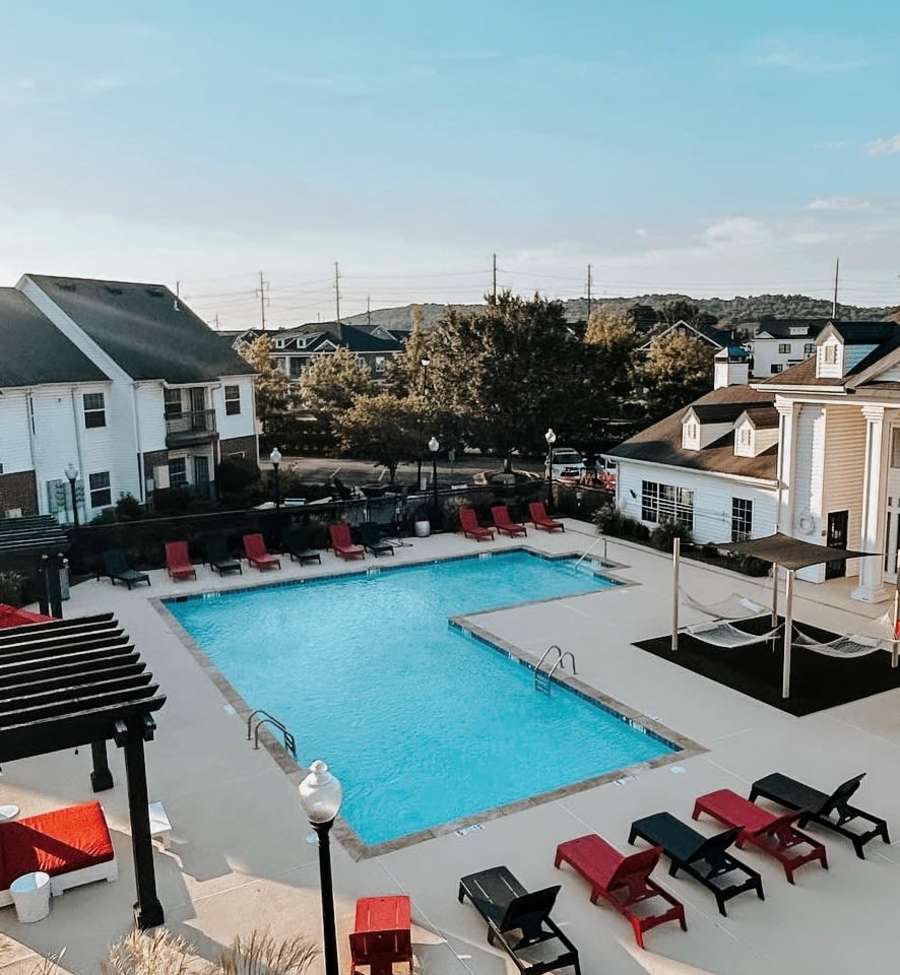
729	311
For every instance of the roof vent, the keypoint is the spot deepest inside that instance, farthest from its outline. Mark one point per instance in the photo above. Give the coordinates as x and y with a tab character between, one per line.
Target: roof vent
156	292
66	285
113	290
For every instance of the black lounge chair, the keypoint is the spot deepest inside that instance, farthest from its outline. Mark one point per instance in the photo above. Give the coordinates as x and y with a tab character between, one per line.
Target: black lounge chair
298	548
219	558
116	567
370	536
508	907
830	811
705	858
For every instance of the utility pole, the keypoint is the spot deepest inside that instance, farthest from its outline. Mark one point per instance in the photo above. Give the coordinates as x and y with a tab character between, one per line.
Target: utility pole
216	320
263	293
589	283
495	277
369	310
337	292
837	270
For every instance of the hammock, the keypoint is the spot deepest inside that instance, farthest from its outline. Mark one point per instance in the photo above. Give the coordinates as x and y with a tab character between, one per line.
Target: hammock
723	634
853	645
733	607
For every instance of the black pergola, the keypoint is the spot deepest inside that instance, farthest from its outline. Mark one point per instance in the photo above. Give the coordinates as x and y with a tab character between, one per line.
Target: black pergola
42	542
78	682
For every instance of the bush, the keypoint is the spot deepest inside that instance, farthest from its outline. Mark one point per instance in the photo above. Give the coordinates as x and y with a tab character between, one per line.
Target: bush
665	532
610	521
11	584
234	476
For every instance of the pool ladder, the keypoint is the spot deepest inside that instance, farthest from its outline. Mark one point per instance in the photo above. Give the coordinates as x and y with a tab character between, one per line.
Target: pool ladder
264	718
543	679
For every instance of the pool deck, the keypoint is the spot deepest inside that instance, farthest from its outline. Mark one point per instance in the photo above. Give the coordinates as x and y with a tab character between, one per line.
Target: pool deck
238	858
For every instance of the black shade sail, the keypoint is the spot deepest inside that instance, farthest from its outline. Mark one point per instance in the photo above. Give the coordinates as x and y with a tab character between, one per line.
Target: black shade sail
791	553
30	537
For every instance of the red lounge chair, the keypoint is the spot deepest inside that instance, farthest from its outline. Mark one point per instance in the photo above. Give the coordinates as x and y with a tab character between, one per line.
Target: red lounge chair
540	518
770	833
468	522
257	553
178	561
622	881
72	845
381	935
504	524
342	543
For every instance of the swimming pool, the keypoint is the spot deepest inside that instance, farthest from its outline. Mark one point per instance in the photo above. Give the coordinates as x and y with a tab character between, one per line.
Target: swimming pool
423	724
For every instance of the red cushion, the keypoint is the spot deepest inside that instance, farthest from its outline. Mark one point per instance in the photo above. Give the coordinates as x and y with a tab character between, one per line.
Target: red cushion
55	842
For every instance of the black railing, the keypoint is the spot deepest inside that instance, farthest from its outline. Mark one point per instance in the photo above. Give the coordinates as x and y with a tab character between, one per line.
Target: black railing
184	426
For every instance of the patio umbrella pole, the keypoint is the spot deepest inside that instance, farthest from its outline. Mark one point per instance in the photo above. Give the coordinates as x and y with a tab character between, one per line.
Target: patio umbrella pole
788	632
774	594
676	559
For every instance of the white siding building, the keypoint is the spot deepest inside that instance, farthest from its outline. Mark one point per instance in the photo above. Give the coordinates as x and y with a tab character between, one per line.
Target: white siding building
152	399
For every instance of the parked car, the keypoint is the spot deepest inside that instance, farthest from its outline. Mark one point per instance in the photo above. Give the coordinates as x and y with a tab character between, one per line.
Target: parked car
566	463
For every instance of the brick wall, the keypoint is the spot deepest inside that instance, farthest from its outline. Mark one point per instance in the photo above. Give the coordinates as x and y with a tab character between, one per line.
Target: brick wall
18	490
236	445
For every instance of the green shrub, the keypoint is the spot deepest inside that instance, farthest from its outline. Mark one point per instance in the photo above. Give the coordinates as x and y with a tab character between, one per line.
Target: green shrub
11	584
234	476
610	521
665	532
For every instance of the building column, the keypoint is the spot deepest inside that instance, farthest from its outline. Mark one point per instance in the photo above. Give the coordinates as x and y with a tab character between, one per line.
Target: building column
788	413
871	570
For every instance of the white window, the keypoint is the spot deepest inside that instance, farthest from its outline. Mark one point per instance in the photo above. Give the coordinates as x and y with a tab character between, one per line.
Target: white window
101	494
895	447
663	502
741	519
784	348
776	367
746	435
379	365
177	471
94	410
830	354
232	400
692	431
173	406
809	348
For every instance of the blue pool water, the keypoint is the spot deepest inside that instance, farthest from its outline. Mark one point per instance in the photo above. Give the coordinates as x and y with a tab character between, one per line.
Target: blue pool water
422	723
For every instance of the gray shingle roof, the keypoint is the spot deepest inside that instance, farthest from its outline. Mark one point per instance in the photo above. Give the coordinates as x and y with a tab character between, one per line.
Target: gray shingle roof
34	351
661	443
139	327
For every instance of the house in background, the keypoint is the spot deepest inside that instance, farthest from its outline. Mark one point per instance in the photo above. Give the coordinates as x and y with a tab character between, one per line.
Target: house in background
717	338
293	349
160	402
813	451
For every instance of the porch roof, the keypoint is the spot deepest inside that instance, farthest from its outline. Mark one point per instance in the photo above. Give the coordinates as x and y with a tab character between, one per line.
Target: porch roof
790	552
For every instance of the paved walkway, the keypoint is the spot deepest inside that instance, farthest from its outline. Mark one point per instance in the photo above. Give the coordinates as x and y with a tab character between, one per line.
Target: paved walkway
239	858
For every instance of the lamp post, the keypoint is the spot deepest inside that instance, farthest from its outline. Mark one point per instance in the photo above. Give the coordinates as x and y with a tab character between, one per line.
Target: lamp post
275	458
72	476
320	798
550	437
434	446
425	363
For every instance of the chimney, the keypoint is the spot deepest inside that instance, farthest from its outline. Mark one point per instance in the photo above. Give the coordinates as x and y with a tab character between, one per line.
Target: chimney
732	367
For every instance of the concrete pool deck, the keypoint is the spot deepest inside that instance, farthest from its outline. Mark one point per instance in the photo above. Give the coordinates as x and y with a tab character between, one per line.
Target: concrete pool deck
238	858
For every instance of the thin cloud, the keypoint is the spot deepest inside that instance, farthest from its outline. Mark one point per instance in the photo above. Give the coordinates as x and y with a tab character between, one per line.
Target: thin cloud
838	203
342	84
888	146
810	55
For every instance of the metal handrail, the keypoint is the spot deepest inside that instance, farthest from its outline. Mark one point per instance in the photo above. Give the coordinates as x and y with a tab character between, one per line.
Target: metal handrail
559	662
290	742
586	553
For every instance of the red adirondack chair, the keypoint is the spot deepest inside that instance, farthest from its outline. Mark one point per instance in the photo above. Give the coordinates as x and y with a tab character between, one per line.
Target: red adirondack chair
622	881
540	518
257	553
178	561
468	522
772	834
504	524
342	543
381	935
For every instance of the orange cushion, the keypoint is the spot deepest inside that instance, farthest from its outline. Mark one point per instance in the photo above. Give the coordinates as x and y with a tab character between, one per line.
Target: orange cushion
55	842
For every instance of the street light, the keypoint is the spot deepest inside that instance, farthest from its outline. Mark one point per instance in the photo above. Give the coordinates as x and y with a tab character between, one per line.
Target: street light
550	437
72	475
275	458
426	362
434	447
320	798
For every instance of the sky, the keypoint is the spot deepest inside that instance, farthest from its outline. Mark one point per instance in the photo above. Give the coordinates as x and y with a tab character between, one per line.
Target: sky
699	147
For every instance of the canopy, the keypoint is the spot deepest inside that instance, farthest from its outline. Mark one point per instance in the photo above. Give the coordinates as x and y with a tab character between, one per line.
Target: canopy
791	553
35	536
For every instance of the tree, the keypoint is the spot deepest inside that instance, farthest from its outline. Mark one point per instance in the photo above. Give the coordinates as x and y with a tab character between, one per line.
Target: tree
331	384
405	373
678	369
382	426
273	388
506	372
612	340
643	317
678	310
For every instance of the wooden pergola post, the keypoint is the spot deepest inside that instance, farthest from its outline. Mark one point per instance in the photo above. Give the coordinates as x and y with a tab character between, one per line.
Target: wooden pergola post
101	777
148	912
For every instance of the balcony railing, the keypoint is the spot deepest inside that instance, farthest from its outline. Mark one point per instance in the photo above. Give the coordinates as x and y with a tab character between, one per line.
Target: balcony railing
195	427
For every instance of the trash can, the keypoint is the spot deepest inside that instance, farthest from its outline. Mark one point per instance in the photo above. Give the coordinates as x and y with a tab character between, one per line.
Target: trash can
64	580
422	529
31	895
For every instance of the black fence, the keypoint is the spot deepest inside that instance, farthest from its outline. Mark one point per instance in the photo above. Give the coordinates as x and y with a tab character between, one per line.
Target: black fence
144	539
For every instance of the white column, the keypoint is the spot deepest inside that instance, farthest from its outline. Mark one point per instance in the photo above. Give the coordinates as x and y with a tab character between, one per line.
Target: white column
871	570
787	449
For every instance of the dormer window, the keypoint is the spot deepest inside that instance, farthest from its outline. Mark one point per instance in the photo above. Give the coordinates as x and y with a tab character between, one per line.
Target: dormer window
692	431
746	436
830	354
